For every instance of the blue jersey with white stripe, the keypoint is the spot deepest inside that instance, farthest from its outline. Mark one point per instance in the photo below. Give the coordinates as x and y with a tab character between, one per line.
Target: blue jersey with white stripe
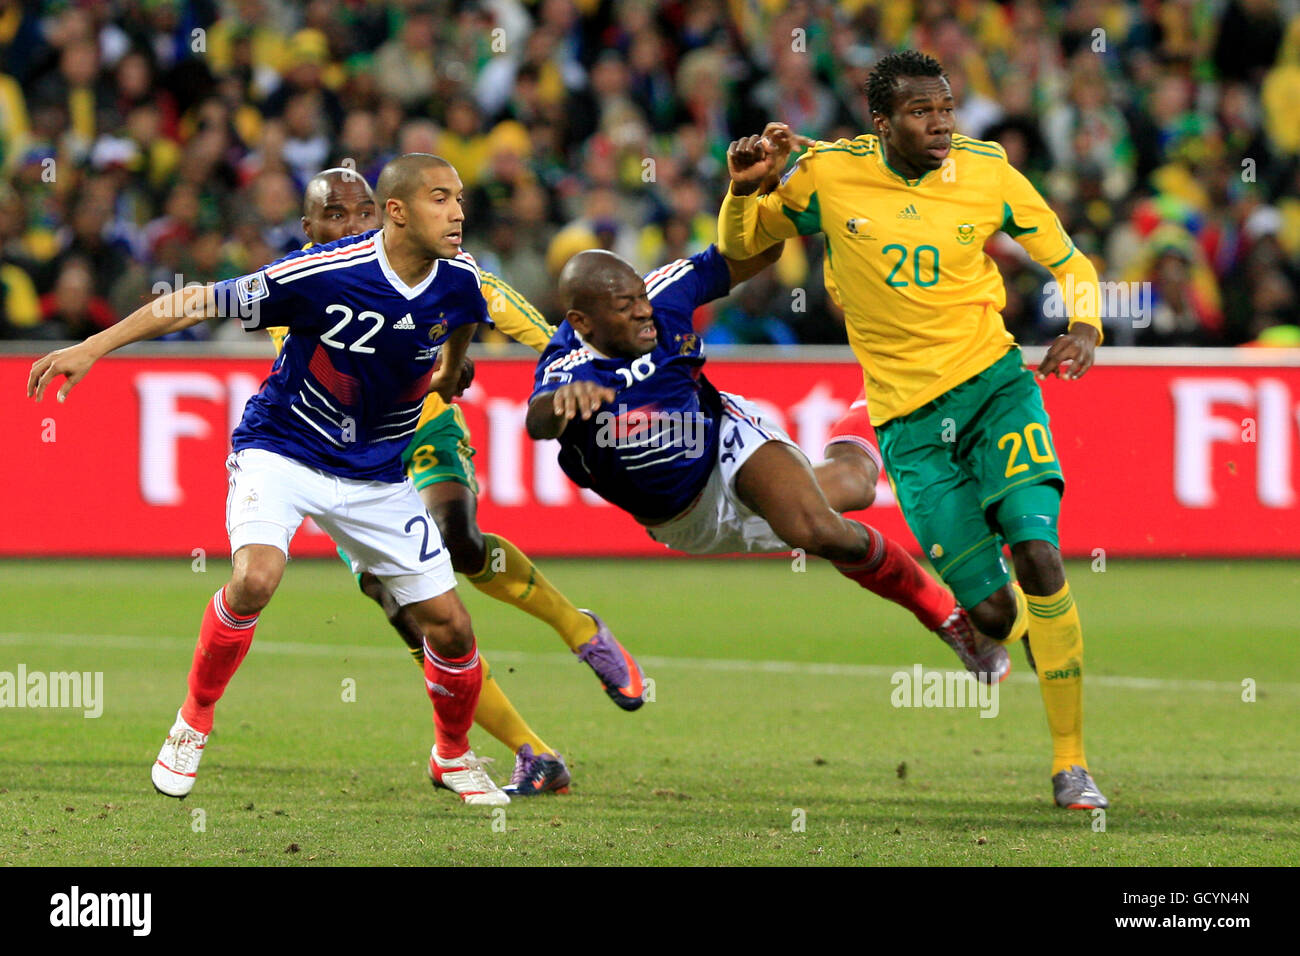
651	450
346	392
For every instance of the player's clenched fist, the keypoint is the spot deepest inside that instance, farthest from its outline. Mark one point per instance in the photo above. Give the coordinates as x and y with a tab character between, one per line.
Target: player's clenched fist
580	398
755	161
73	363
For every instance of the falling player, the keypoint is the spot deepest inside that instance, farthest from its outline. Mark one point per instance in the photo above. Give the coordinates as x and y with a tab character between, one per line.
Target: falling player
369	317
961	423
339	202
702	470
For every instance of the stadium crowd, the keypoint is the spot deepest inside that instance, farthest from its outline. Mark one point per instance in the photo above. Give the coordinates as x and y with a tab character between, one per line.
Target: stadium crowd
146	140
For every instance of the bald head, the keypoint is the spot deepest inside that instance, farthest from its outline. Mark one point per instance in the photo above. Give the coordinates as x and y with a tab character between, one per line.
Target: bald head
605	301
319	186
403	176
337	203
591	276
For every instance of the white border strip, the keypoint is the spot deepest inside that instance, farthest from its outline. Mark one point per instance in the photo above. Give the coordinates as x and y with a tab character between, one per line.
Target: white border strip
179	645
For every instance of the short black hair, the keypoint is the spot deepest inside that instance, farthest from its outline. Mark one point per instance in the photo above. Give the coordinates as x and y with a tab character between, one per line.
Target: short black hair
881	87
401	176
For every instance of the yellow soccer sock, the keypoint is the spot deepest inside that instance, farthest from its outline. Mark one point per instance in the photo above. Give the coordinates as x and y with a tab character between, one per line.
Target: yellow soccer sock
509	576
417	655
1056	640
498	716
1020	627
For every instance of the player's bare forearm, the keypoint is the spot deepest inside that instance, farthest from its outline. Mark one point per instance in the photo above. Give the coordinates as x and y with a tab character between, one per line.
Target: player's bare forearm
549	414
169	313
742	269
451	363
1072	354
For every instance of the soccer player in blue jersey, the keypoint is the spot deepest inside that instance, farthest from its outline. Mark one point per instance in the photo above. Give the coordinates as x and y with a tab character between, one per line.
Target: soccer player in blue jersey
370	317
621	386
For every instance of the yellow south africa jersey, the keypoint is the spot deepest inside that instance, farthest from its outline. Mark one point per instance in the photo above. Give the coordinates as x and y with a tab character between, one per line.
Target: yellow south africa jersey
510	312
905	257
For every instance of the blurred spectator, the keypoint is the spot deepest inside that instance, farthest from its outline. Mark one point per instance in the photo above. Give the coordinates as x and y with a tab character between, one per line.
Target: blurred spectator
306	58
73	310
463	142
87	241
404	66
748	317
278	204
1185	303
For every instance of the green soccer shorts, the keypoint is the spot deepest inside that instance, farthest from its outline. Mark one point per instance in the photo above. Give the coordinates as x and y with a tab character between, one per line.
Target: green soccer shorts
953	460
440	451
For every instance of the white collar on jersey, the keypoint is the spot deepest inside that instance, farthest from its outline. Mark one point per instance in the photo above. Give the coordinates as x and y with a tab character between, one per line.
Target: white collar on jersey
588	346
394	280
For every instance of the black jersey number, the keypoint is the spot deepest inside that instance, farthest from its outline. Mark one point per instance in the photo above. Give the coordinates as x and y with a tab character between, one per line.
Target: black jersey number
423	522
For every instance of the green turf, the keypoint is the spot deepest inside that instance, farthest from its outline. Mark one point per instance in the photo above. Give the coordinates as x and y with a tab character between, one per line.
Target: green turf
734	752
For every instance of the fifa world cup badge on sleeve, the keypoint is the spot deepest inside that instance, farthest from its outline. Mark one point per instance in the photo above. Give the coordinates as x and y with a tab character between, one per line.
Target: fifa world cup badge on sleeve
251	288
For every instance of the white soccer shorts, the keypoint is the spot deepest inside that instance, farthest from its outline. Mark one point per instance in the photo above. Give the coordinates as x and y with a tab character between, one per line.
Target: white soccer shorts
383	527
718	522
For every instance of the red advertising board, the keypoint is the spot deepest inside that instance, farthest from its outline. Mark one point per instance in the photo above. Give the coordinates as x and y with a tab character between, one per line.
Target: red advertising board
1168	460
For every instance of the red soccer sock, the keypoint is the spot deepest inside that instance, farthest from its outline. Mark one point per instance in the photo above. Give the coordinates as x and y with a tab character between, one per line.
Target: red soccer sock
224	638
453	684
890	572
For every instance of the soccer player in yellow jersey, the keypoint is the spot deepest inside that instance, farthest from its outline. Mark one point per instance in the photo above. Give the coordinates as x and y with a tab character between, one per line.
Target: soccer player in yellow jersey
962	429
339	202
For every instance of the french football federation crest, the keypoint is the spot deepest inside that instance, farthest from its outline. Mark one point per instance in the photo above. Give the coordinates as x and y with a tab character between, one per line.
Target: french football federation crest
689	343
438	331
965	233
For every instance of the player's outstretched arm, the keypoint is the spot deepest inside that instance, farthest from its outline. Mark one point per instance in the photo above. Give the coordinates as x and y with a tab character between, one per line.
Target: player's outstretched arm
168	313
514	315
742	269
749	223
550	413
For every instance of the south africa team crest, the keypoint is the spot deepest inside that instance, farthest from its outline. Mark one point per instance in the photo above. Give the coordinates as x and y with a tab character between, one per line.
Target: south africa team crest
965	233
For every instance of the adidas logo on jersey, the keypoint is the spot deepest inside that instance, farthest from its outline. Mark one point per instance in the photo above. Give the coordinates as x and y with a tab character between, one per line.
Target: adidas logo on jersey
405	322
910	213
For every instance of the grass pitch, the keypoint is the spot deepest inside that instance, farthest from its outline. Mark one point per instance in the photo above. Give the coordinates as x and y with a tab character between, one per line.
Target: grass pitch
771	740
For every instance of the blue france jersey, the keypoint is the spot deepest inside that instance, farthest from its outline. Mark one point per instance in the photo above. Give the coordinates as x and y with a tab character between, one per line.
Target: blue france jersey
651	450
345	393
